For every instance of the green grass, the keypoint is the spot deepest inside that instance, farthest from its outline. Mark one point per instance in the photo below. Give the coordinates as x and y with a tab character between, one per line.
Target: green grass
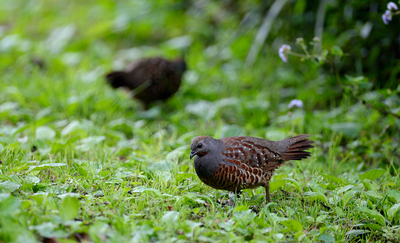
80	159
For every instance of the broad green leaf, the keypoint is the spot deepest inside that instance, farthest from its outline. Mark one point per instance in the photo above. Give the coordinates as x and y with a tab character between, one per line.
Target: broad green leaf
366	86
393	210
372	174
275	135
293	225
292	181
208	110
71	128
68	208
193	197
316	187
356	79
369	185
124	174
278	236
354	233
87	143
335	179
231	130
44	230
93	140
373	214
310	219
394	195
327	238
275	185
20	168
44	166
242	208
32	179
8	204
337	51
349	129
183	176
25	204
370	226
59	38
272	217
372	194
170	217
228	225
40	197
70	194
374	226
45	133
145	189
44	151
44	116
192	225
344	189
9	106
320	219
49	230
9	185
299	235
200	108
245	217
1	148
178	152
98	229
316	196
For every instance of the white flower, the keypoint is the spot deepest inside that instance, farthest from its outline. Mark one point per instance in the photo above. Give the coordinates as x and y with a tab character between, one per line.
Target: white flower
283	50
316	39
387	17
295	102
392	5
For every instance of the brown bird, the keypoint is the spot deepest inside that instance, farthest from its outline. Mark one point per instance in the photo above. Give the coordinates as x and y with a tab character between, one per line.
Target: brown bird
151	79
236	163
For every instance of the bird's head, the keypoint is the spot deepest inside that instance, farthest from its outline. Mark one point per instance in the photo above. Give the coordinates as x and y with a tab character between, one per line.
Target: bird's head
201	146
181	64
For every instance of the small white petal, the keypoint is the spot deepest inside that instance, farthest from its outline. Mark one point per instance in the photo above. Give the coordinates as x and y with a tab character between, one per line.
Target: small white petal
392	5
295	102
387	17
282	52
388	12
385	21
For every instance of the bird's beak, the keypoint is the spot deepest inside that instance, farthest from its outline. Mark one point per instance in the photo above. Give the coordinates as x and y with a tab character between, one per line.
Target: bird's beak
192	154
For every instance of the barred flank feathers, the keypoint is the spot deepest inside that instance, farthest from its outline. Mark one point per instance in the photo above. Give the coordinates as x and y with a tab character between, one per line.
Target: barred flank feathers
296	150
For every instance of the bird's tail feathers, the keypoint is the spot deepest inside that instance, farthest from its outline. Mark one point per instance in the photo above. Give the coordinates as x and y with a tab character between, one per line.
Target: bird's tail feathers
296	150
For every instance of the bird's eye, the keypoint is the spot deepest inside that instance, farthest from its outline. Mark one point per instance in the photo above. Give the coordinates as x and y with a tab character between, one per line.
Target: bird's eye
199	145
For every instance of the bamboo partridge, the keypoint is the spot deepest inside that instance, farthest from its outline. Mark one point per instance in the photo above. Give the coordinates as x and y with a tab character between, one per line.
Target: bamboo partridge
236	163
151	79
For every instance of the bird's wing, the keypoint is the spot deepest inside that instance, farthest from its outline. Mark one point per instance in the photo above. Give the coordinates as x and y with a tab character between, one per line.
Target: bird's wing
250	152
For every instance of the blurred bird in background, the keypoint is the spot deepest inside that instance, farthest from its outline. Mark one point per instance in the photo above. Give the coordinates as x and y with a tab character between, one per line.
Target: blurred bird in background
150	79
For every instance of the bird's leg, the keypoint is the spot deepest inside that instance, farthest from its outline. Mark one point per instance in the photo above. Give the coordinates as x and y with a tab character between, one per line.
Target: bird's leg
267	192
238	192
